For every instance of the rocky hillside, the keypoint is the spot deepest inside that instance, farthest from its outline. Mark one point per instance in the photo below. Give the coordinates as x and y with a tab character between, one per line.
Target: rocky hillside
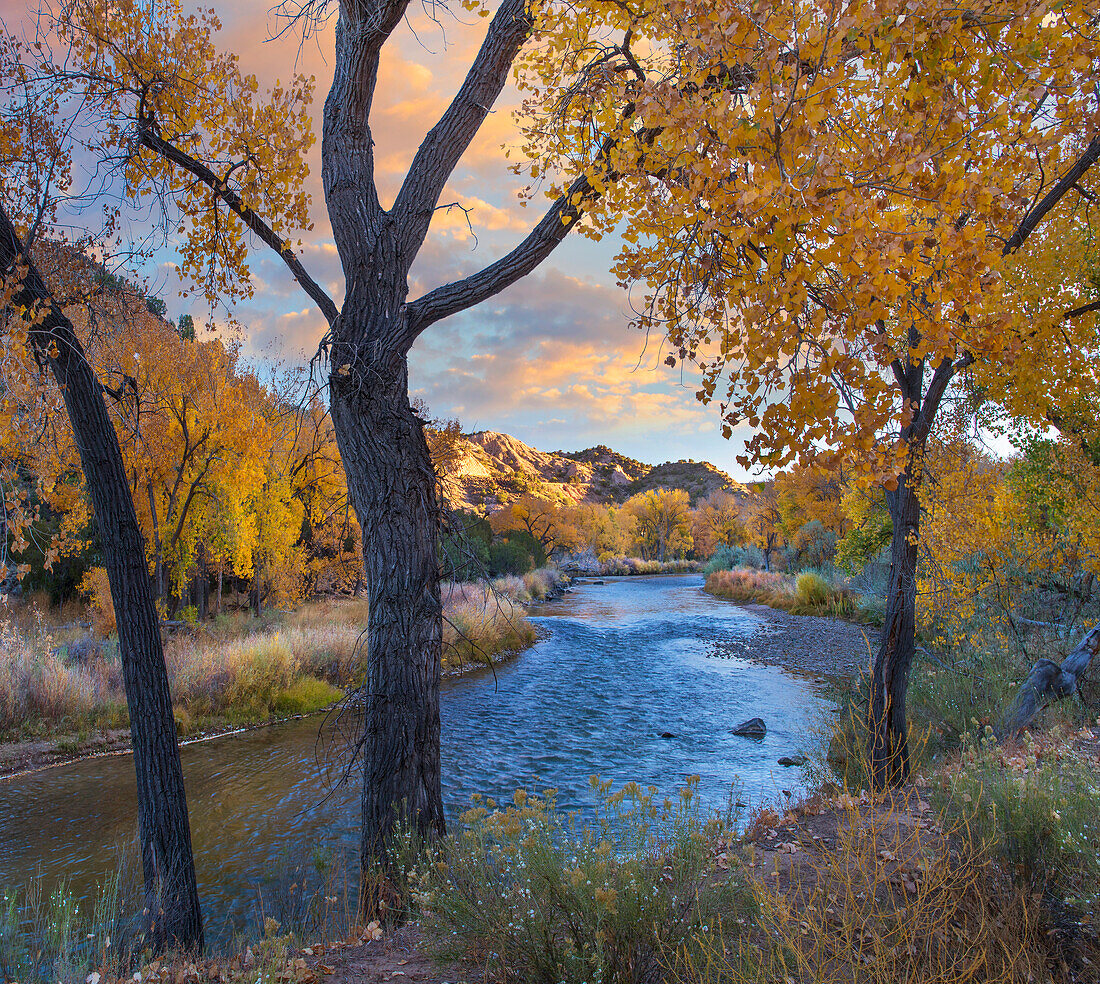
493	469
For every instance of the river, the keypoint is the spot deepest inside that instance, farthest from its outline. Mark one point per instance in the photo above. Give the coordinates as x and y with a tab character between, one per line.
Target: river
619	665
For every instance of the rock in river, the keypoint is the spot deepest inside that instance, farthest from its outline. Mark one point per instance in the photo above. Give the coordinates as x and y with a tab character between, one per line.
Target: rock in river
792	760
752	728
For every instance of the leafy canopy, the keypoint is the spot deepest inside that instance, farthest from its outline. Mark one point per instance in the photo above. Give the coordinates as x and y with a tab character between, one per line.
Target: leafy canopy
818	194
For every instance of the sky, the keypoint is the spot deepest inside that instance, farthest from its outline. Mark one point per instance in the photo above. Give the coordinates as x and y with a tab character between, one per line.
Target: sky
551	360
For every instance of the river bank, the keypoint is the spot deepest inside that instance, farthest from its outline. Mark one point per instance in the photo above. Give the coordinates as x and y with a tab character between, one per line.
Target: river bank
811	645
618	684
833	886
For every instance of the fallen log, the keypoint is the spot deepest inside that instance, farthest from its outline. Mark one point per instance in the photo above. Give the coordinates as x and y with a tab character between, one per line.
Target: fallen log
1049	681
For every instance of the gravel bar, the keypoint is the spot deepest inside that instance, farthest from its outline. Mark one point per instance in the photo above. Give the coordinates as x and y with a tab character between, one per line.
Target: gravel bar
810	645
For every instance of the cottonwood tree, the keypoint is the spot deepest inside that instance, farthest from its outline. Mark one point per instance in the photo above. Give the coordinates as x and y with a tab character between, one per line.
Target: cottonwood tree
229	163
35	156
661	525
718	522
830	196
542	519
764	521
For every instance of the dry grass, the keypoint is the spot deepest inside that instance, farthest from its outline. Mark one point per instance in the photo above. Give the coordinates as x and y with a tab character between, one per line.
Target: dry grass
613	566
808	593
861	893
482	624
36	683
236	669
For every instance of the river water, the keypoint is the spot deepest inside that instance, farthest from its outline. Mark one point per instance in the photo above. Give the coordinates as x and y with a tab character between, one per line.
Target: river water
619	664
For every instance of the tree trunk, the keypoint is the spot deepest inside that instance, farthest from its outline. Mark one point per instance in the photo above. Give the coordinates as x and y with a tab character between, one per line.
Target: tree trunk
172	914
392	487
1049	681
202	582
888	747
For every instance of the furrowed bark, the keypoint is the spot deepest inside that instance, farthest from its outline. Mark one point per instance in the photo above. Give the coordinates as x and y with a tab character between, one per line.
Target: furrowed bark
887	728
172	915
393	489
888	746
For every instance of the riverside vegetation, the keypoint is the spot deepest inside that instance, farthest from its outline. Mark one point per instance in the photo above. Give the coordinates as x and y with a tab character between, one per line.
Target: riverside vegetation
985	871
234	669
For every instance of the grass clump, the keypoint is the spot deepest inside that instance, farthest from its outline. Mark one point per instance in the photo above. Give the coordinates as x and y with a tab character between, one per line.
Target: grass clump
1036	808
305	696
810	593
533	894
53	936
811	589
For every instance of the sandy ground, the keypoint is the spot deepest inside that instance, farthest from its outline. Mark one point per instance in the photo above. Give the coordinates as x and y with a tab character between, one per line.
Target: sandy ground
38	753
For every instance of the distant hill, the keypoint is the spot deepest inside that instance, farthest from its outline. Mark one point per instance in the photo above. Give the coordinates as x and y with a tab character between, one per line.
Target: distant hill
493	469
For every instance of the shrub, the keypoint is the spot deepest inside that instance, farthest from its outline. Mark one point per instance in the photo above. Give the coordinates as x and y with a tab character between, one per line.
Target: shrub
863	544
1037	810
535	895
748	584
958	697
510	557
890	900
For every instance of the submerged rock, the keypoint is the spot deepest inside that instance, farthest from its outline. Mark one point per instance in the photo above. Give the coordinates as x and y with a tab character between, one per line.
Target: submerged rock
752	728
666	734
789	760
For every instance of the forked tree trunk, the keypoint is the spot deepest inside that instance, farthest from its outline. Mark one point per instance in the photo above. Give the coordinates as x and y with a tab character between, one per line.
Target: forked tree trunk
172	915
392	487
888	746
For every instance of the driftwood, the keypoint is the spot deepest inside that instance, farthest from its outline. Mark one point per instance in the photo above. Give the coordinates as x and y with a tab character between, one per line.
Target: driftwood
1050	681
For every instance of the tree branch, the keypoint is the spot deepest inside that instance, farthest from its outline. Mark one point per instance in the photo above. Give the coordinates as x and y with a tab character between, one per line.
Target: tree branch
945	372
539	244
448	139
158	145
1030	221
1083	309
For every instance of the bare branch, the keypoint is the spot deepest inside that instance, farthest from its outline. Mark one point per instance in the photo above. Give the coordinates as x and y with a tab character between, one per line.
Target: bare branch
539	244
1083	309
1065	183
